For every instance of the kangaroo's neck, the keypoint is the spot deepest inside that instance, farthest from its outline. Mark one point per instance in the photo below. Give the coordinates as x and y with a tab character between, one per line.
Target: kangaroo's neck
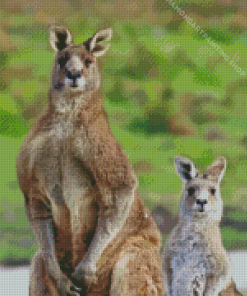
199	224
86	106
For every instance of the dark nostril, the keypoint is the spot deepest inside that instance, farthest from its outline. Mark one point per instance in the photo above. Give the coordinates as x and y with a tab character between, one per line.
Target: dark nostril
201	201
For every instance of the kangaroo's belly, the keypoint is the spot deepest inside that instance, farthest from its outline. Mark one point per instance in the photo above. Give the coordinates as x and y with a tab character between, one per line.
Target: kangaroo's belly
191	264
72	194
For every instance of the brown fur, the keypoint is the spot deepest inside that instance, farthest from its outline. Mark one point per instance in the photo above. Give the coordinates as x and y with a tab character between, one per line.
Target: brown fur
73	173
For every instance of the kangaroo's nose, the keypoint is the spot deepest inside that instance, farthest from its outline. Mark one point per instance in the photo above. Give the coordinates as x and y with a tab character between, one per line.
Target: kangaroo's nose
201	201
73	75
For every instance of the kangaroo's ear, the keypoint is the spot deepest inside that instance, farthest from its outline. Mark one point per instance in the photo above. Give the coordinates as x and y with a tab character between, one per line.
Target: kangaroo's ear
60	37
218	167
185	168
92	43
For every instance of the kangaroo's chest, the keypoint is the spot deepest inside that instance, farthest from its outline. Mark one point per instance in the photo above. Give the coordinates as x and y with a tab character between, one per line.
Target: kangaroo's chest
66	181
190	250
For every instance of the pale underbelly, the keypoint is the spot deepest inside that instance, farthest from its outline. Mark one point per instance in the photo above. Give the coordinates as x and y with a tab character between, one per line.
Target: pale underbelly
73	198
191	265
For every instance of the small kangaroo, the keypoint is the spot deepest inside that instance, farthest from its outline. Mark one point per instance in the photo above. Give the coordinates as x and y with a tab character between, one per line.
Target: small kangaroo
95	235
195	262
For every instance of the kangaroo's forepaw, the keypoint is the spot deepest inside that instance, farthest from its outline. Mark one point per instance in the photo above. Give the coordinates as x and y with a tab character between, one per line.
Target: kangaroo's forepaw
85	272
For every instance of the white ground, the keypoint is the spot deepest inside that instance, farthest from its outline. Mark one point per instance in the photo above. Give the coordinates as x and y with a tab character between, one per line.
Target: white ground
239	269
14	281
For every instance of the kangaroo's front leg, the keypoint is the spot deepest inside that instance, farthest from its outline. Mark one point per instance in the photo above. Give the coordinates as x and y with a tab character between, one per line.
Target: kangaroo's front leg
220	280
110	222
217	285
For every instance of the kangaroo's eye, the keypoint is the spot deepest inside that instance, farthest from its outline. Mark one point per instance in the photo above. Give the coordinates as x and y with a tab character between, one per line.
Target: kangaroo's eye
88	63
212	191
191	191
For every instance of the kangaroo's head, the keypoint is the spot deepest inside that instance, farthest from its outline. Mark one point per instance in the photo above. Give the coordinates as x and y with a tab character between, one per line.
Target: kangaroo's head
201	191
75	68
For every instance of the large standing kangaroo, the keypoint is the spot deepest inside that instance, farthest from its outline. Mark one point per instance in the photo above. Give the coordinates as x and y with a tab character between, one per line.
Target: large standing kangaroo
92	228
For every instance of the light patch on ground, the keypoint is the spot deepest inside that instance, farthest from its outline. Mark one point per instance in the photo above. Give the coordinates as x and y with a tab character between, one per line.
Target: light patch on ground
14	281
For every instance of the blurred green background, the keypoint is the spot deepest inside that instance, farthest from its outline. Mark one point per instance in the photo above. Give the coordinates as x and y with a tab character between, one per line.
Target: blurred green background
167	91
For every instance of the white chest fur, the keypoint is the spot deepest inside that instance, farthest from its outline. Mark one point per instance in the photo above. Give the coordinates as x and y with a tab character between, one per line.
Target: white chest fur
62	175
